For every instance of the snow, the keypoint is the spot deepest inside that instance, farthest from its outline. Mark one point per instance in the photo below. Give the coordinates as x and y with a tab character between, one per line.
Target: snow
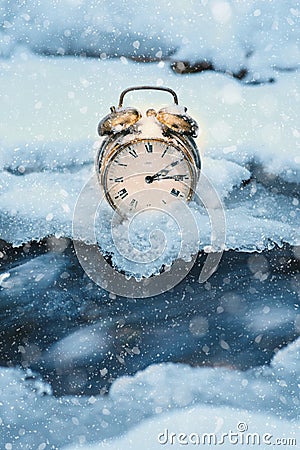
249	142
169	396
180	429
231	34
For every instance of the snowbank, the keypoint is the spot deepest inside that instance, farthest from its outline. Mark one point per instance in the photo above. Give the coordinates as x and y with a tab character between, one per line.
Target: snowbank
204	426
229	35
173	396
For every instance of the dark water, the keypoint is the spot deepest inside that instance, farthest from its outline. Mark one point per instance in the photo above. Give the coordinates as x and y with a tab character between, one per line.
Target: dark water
56	321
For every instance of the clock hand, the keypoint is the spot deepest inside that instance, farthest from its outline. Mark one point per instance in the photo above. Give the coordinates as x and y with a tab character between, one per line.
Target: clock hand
150	178
176	177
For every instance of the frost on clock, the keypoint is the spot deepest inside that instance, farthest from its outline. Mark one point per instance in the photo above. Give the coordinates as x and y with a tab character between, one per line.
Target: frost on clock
144	244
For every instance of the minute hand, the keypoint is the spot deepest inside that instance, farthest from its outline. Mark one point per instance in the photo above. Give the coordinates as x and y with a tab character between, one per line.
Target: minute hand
164	171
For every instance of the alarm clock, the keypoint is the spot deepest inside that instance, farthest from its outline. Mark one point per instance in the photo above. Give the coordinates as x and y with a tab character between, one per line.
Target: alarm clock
147	160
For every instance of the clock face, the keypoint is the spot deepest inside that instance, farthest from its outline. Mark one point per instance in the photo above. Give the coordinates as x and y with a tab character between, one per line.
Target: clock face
148	173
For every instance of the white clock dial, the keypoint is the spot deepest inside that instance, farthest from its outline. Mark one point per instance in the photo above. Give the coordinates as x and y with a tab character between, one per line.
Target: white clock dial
148	173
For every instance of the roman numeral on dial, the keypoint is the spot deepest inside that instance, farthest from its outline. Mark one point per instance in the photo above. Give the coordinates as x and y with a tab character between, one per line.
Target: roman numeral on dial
119	163
175	192
117	180
133	204
149	147
164	152
122	194
132	152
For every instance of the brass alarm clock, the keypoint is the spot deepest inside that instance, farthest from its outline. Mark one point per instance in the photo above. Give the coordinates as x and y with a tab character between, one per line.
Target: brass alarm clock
147	161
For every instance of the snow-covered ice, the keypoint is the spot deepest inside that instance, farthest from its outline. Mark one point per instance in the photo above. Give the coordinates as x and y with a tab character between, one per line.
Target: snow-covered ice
248	134
177	397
